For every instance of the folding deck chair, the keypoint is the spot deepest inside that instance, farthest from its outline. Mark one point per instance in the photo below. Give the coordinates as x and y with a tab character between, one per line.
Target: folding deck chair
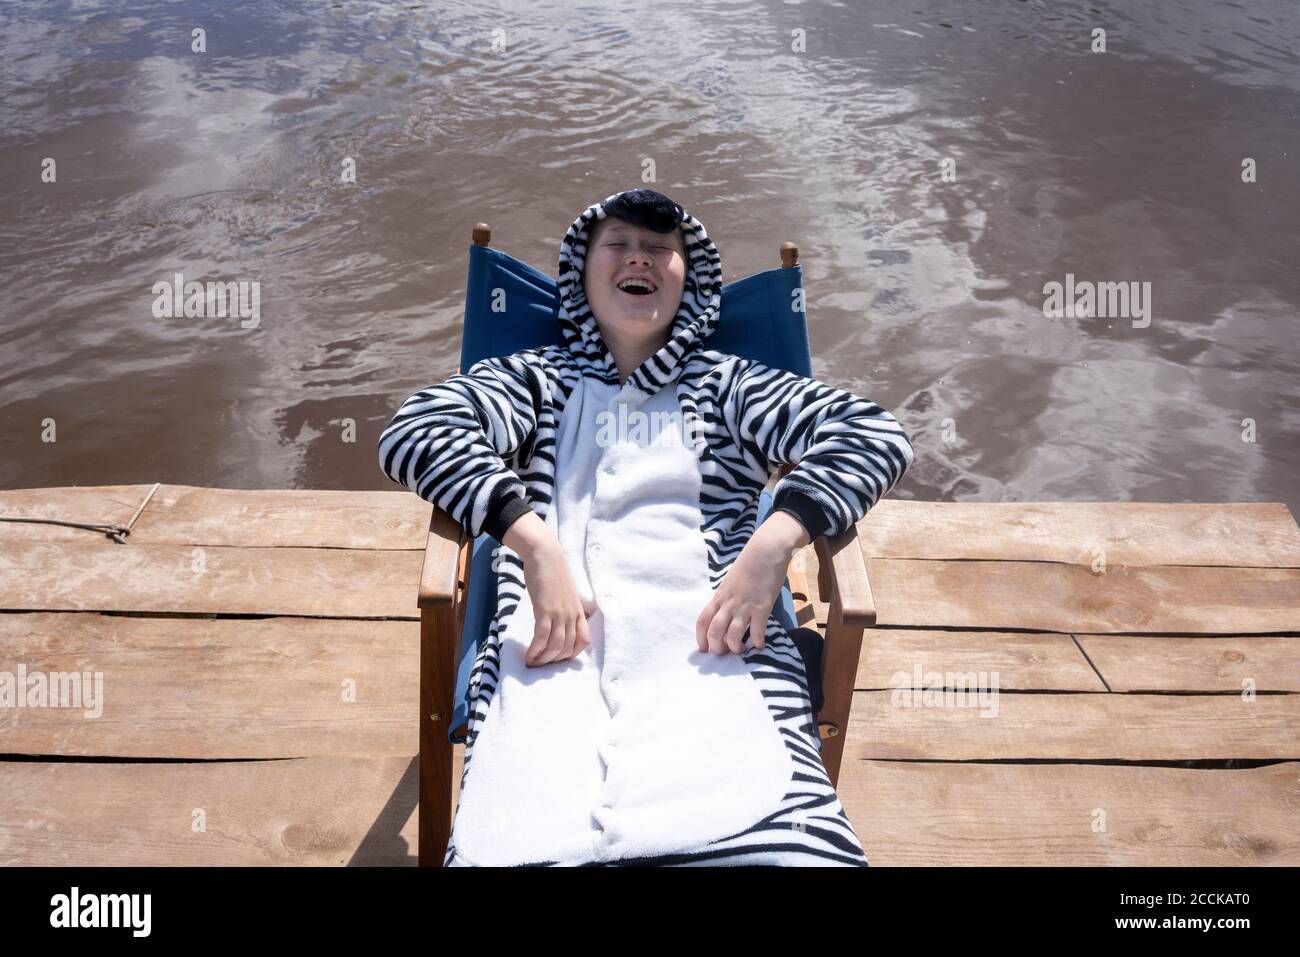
761	319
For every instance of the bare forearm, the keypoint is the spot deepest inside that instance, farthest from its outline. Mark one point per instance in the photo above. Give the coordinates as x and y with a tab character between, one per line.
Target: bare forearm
782	534
528	534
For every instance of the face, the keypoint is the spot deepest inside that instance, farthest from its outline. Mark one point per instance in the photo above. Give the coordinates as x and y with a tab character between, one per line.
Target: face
619	250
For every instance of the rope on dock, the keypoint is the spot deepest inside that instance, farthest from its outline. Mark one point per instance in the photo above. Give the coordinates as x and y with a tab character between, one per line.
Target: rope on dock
114	531
117	533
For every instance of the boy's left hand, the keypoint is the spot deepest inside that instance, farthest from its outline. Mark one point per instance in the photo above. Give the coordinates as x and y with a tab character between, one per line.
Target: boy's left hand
747	593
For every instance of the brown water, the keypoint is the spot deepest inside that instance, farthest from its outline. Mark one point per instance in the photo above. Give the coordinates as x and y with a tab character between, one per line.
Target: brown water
924	295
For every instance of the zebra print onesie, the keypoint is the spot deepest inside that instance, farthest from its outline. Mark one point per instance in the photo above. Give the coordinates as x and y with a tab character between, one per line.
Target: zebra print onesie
641	749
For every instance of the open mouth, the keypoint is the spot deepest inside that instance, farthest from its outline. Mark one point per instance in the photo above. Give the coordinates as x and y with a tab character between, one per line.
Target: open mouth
636	287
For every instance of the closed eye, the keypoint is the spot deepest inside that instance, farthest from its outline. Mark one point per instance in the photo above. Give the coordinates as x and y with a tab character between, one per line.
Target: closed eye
670	248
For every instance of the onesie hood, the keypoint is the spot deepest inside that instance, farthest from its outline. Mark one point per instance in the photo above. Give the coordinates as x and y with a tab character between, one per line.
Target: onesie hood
697	316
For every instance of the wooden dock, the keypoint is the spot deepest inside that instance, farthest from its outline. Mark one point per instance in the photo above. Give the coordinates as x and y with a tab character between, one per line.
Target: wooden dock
260	649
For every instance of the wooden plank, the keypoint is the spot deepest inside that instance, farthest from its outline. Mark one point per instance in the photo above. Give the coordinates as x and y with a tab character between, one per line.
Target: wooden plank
346	583
1128	727
361	811
313	811
1024	661
94	504
1157	663
1246	534
230	688
1047	596
297	518
1016	815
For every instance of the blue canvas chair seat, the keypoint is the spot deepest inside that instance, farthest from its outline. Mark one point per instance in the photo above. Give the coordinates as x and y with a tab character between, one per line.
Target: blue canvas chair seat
758	321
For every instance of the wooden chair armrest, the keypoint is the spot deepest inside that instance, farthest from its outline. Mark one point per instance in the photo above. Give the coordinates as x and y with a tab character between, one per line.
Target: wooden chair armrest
842	580
444	556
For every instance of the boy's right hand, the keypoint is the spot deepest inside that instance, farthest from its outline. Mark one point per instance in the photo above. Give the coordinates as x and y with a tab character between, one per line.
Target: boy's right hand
560	631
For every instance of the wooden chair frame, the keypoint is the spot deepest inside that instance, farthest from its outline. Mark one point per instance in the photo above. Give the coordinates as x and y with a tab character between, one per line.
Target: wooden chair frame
444	589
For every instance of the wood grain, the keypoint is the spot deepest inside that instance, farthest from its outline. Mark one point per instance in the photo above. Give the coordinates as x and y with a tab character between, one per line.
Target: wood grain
230	688
1047	596
1017	815
1023	660
210	579
1244	534
313	811
1197	663
1072	727
295	518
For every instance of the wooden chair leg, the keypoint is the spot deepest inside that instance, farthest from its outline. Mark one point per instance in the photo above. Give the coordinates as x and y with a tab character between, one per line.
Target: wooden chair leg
437	687
444	582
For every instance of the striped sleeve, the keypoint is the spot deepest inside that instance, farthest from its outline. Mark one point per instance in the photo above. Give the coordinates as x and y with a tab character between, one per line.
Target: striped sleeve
449	443
847	452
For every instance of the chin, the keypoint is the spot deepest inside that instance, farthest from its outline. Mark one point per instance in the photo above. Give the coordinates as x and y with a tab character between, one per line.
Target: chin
642	324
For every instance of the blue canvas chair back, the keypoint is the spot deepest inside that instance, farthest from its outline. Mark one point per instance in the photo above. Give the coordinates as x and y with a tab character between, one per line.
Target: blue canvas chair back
758	321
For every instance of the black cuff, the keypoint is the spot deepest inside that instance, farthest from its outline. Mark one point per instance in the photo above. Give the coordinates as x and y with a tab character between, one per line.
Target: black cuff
805	508
503	511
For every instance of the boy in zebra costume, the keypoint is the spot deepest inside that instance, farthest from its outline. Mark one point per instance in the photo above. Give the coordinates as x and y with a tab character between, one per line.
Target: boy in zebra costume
636	702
